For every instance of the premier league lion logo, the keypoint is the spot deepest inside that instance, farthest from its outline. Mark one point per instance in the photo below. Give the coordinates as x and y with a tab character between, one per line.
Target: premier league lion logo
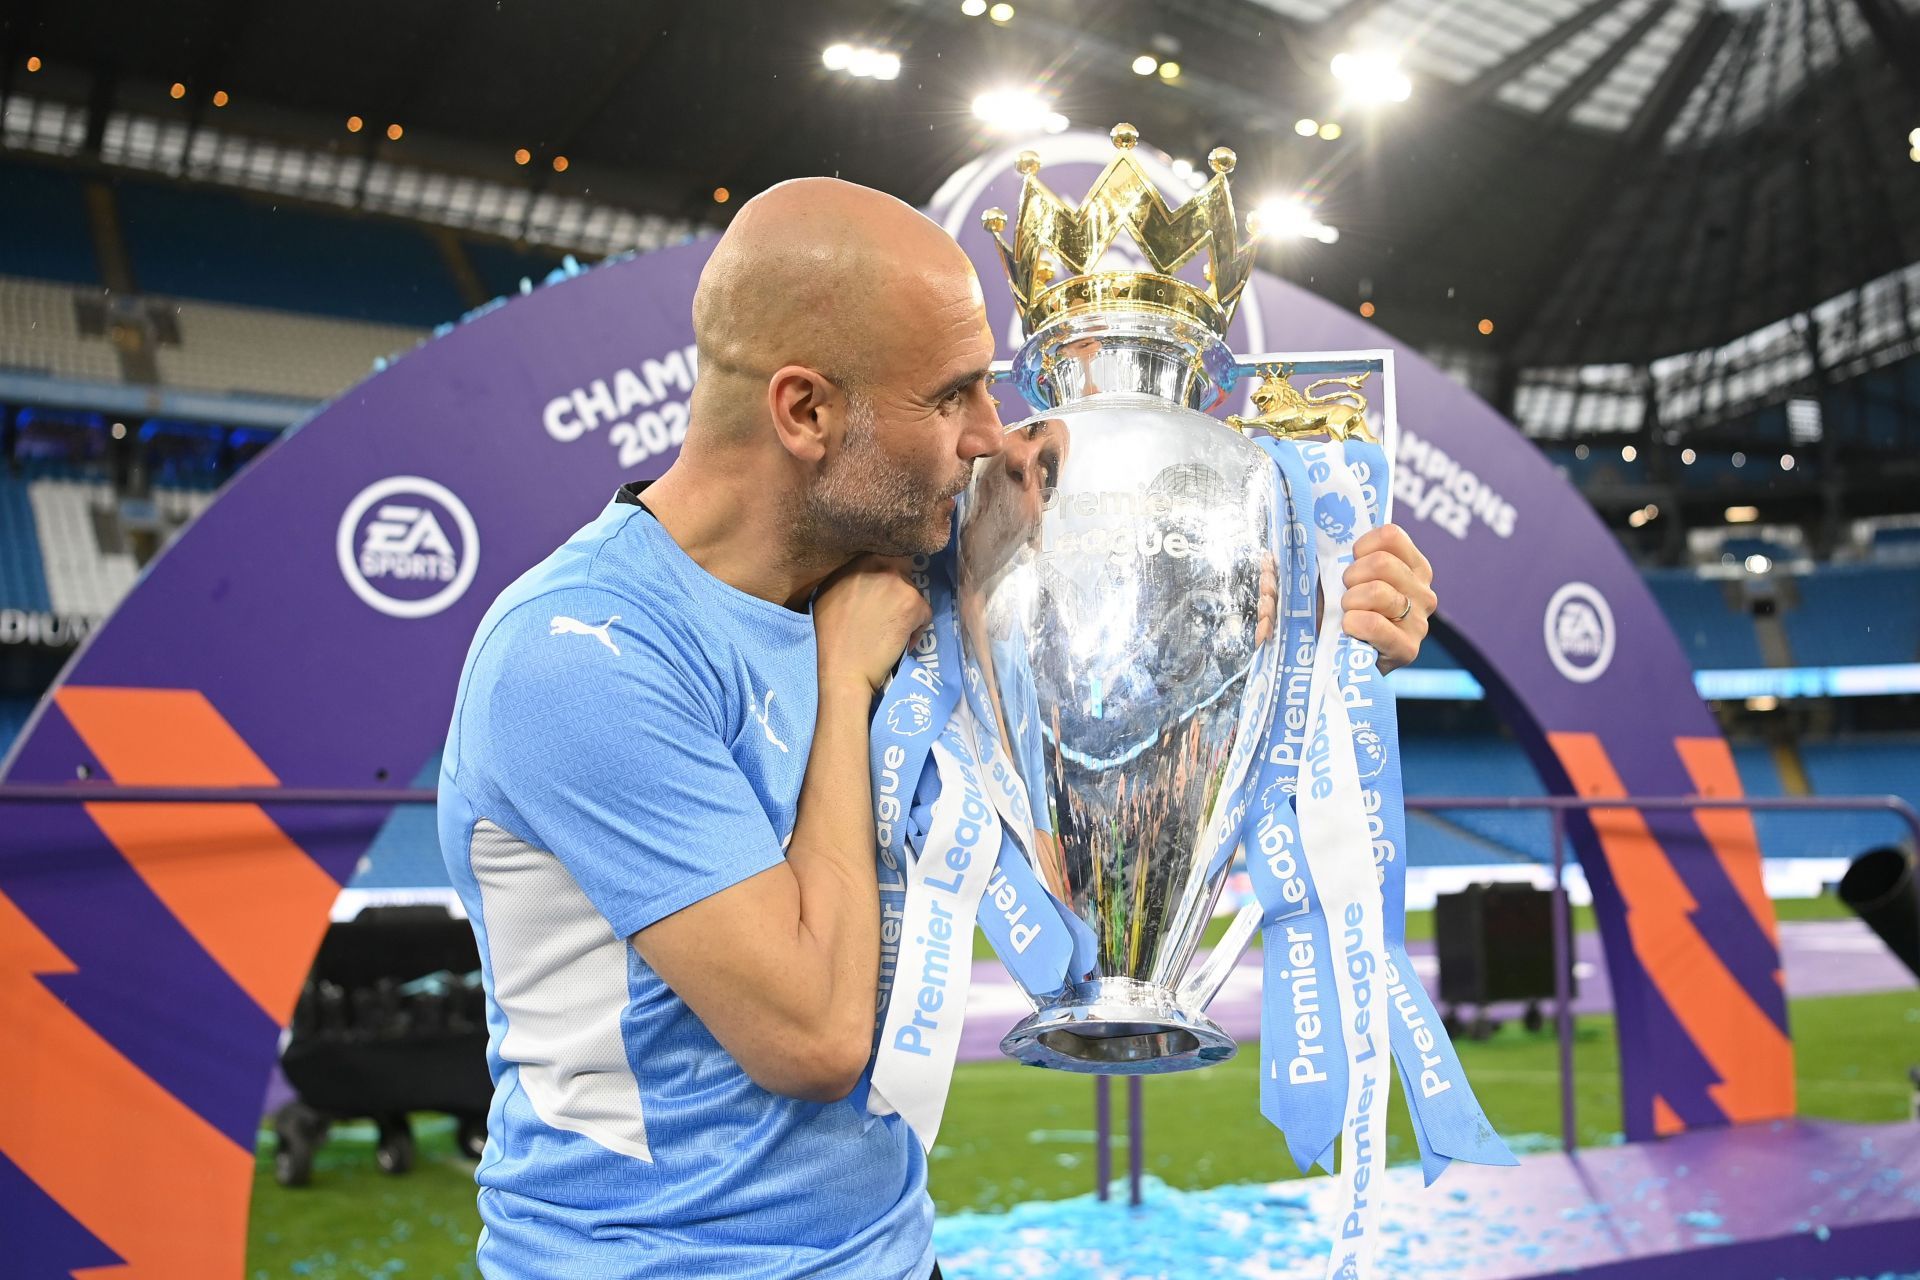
1349	1268
1369	752
1334	515
911	716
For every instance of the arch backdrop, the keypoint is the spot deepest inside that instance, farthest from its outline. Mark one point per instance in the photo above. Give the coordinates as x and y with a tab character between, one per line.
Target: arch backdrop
307	631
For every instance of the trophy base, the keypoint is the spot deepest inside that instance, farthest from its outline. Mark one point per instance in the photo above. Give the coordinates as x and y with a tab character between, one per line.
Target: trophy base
1117	1027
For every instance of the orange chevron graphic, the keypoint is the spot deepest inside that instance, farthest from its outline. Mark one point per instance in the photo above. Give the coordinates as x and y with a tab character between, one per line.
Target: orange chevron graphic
246	892
1752	1056
149	1178
1709	762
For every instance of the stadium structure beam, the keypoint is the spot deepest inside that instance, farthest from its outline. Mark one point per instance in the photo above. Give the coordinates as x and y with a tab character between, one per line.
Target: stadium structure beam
1601	67
1491	81
1899	36
1876	192
1663	104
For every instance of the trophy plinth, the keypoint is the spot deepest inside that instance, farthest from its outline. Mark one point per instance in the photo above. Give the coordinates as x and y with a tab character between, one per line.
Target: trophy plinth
1117	1027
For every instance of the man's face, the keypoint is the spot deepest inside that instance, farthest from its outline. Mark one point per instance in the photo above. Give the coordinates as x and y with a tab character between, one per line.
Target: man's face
915	425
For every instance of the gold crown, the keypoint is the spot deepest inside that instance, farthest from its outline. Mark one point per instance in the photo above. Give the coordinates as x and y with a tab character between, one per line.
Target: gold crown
1055	244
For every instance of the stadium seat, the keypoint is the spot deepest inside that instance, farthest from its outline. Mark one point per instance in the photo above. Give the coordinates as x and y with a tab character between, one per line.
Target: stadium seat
221	247
1712	631
249	349
23	580
1855	614
81	578
40	334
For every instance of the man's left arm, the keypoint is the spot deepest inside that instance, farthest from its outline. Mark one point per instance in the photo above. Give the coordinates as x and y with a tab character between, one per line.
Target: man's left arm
1389	595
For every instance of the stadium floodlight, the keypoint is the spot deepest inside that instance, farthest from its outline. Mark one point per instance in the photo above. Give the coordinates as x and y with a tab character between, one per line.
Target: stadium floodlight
1145	65
1289	216
1182	169
1305	127
1687	456
862	62
1742	515
1786	462
1001	13
1372	77
1757	563
973	8
1017	111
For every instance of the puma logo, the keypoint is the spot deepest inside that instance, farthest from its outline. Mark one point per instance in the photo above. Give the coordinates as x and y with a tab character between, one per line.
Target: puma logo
761	710
565	626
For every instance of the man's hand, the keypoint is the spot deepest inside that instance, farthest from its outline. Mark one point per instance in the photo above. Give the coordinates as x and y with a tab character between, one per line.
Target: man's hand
1389	595
863	617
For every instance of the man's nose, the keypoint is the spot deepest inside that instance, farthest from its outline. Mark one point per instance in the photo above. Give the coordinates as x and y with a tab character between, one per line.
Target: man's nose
983	435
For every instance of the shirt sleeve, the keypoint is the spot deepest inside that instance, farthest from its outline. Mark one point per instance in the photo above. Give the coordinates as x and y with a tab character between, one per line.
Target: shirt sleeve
617	763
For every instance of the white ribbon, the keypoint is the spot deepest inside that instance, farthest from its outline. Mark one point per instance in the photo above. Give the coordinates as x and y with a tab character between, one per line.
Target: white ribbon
1339	853
920	1038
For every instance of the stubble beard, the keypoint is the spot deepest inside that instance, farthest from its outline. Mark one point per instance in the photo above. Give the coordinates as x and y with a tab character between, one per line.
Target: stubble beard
865	502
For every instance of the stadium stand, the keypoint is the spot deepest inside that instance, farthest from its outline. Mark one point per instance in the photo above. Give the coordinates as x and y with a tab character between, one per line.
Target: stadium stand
39	333
250	349
1851	614
220	247
1486	766
82	578
1712	631
43	226
501	267
23	577
13	718
1866	765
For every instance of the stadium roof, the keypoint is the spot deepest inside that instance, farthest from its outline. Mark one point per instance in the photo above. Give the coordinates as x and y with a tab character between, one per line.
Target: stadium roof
1608	181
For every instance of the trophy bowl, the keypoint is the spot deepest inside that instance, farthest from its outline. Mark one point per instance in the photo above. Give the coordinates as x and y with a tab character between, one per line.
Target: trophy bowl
1115	590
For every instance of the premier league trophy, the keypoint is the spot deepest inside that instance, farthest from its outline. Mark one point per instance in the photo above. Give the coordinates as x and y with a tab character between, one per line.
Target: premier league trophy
1115	594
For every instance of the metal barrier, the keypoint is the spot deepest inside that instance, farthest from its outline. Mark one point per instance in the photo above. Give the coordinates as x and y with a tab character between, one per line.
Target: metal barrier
1556	807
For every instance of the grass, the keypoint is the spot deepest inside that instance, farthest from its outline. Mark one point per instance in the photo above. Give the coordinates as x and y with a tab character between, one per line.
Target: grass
1013	1134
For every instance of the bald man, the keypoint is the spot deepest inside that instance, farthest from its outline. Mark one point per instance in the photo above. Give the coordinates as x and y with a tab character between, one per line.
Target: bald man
655	799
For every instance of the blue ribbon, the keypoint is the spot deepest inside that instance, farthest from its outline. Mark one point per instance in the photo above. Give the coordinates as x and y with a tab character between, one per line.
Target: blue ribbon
1448	1120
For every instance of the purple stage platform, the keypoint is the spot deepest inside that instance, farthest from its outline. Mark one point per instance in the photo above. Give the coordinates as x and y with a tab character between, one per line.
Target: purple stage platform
1790	1199
1783	1201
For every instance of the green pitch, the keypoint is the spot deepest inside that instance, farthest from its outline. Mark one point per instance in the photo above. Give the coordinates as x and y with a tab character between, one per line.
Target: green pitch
1012	1133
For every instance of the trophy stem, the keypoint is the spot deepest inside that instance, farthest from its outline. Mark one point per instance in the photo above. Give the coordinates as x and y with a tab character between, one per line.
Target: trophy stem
1117	1027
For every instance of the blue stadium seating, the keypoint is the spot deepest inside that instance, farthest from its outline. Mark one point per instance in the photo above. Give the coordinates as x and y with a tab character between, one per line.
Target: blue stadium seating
1880	765
222	247
44	231
1853	614
1711	632
501	267
1782	835
1475	767
23	574
13	718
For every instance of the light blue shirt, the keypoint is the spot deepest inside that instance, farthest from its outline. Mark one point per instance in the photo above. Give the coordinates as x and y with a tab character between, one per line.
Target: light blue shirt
630	737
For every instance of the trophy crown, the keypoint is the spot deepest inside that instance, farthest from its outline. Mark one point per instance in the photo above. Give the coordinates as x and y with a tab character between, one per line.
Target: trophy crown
1056	244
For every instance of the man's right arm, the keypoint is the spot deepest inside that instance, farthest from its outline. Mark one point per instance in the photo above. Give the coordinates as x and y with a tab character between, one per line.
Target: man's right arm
783	967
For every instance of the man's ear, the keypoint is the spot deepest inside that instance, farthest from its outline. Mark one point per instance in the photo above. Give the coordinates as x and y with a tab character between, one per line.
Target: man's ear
805	409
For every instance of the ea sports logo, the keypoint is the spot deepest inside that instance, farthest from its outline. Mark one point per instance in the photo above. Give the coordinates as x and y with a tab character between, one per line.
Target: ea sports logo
407	546
1579	632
